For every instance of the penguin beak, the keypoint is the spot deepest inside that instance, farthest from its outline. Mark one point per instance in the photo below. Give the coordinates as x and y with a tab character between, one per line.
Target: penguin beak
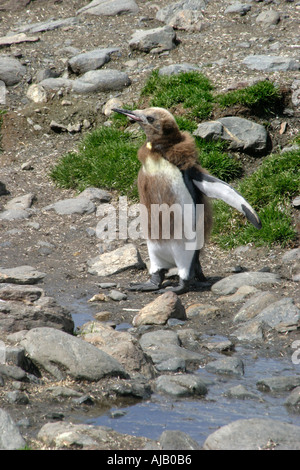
130	114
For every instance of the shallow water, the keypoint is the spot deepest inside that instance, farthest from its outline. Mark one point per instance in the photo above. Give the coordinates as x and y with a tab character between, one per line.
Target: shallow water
200	417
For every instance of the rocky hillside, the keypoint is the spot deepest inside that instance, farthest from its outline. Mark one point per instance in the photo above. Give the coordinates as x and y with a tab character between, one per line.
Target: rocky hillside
61	61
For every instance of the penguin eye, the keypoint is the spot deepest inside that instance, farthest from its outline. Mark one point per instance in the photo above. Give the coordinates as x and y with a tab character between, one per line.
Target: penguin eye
150	119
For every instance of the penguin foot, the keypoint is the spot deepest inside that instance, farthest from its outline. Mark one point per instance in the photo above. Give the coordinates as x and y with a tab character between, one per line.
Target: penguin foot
183	286
152	285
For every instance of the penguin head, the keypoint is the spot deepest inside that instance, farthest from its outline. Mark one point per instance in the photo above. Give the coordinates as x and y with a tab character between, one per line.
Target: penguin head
158	124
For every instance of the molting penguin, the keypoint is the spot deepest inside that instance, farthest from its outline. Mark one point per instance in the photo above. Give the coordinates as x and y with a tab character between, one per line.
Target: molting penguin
171	176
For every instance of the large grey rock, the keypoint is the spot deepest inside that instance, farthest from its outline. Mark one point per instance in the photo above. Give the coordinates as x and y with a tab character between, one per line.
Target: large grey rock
230	284
181	385
15	214
78	205
268	18
91	60
282	315
20	202
177	440
243	134
101	80
280	383
238	7
254	434
227	365
55	84
11	70
109	7
10	436
21	275
116	261
175	69
271	63
159	39
185	14
71	356
255	305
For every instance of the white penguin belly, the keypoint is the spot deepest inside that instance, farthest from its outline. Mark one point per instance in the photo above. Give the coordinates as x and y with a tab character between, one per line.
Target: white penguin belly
173	252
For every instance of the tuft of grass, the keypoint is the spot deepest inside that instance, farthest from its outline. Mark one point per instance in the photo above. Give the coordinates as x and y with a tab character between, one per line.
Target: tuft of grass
192	90
107	158
269	191
261	98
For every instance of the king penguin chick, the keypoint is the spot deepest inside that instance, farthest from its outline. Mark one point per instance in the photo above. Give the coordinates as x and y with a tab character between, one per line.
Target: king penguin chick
172	176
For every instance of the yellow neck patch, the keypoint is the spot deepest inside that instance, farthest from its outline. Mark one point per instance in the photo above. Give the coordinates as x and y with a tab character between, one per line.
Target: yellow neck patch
149	145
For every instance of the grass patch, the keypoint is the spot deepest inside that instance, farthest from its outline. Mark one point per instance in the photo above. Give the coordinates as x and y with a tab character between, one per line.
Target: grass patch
269	190
191	90
106	158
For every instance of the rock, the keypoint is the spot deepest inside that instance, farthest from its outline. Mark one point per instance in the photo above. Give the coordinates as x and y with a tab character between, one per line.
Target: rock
13	372
119	344
10	437
109	7
291	255
17	397
294	398
3	93
17	39
101	80
177	440
48	25
278	383
91	60
96	194
84	436
237	7
15	214
243	134
37	94
11	70
271	63
56	84
77	205
71	356
167	305
20	293
239	295
182	385
185	14
160	39
255	305
21	275
254	434
250	331
268	18
240	392
116	261
110	104
175	69
116	295
20	202
282	315
230	284
227	365
26	313
163	346
195	310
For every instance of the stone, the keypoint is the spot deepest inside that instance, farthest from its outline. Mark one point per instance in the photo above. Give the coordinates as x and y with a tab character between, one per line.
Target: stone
56	84
48	25
13	372
100	80
268	18
227	365
10	436
255	305
240	392
239	295
230	284
201	310
71	356
279	383
117	295
250	331
96	194
17	397
21	275
175	69
107	109
116	261
160	39
11	70
291	255
3	93
91	60
185	14
15	214
163	345
17	39
20	202
77	205
181	385
119	344
294	398
177	440
21	293
109	7
271	63
37	94
167	305
238	7
243	134
254	434
282	315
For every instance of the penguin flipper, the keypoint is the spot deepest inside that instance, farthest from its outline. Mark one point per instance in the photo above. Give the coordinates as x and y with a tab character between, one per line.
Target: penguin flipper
217	189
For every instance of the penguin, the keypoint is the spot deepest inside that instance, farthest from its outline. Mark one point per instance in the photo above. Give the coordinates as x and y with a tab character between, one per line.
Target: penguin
171	176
